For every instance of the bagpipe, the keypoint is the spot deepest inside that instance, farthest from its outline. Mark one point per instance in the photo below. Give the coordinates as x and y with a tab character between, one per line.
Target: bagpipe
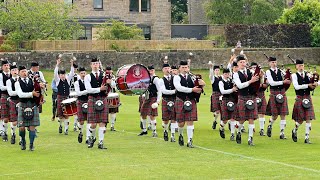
314	77
196	78
37	87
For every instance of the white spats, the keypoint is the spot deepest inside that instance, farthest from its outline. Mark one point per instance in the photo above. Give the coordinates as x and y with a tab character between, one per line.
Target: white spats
190	130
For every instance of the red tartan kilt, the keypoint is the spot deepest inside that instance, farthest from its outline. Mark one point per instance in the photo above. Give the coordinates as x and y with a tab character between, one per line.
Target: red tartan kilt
225	114
141	99
114	110
274	108
243	112
166	114
13	110
60	98
146	109
97	116
4	106
81	116
299	113
215	102
182	115
262	109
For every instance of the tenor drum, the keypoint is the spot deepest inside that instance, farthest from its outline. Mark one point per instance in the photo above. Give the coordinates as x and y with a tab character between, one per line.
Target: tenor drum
73	94
133	79
113	100
69	106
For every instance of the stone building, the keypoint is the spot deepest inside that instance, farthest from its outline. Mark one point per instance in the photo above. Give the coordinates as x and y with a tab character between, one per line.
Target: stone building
196	12
153	16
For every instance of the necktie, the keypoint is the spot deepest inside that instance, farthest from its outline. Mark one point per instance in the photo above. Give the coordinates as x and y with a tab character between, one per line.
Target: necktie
185	76
275	71
97	77
8	75
169	78
25	81
302	75
245	74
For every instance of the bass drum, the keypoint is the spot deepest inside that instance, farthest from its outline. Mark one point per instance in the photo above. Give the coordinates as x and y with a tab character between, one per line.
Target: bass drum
133	79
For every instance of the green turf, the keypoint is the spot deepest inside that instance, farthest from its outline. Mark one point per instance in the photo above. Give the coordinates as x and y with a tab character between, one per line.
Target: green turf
132	157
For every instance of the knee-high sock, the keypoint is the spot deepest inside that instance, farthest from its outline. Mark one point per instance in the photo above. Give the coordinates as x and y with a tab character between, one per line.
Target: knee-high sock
113	118
32	135
251	127
80	128
297	124
154	125
88	132
1	126
217	117
180	129
149	121
144	125
240	126
102	131
190	130
173	128
261	122
22	134
13	129
222	124
282	126
308	129
165	127
93	132
75	124
60	121
232	126
271	121
66	124
5	125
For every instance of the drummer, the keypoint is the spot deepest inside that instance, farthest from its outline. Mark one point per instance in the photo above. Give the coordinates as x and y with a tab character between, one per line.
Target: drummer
62	81
75	78
112	111
82	94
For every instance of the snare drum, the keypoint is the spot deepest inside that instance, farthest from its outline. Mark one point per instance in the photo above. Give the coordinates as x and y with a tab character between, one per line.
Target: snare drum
133	79
73	94
113	100
69	106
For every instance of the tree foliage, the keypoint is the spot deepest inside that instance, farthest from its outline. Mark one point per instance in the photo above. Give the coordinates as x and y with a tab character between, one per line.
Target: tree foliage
37	20
244	11
119	31
179	11
304	12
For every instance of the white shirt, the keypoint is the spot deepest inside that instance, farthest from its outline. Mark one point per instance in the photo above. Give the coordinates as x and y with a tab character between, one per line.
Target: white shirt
2	86
41	76
87	83
295	83
9	87
164	90
177	85
156	81
20	93
270	79
68	76
212	76
238	82
77	88
221	87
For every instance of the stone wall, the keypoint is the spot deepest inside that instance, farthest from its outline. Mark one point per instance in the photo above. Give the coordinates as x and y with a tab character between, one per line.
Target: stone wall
199	61
196	12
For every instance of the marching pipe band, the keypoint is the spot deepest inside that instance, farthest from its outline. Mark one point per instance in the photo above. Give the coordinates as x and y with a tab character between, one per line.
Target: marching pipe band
238	96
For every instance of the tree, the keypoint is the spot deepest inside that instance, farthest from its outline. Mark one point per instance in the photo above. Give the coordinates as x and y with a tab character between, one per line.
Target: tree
179	11
244	11
118	30
37	20
304	12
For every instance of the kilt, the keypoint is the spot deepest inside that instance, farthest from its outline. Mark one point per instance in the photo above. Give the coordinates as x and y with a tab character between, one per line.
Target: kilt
299	113
242	112
81	116
60	98
225	114
262	109
114	110
35	121
141	100
13	110
146	109
274	108
4	106
215	102
182	115
97	116
166	114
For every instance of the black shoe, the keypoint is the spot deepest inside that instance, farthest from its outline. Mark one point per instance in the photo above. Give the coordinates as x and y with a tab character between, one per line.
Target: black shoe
87	141
222	135
238	138
250	142
23	145
60	129
20	143
66	132
112	129
80	137
75	129
31	147
173	139
243	130
4	137
90	142
101	146
141	126
294	136
269	131
190	145
232	137
229	126
165	136
13	139
143	133
214	125
261	132
282	136
181	142
307	141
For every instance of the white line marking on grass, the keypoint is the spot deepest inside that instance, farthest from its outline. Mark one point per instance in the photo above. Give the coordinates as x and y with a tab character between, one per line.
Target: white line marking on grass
248	157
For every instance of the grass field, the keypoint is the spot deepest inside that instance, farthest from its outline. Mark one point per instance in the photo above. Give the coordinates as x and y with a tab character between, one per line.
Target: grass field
131	157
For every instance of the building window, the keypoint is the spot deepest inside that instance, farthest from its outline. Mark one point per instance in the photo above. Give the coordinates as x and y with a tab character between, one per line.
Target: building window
146	32
86	33
69	2
140	6
98	4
